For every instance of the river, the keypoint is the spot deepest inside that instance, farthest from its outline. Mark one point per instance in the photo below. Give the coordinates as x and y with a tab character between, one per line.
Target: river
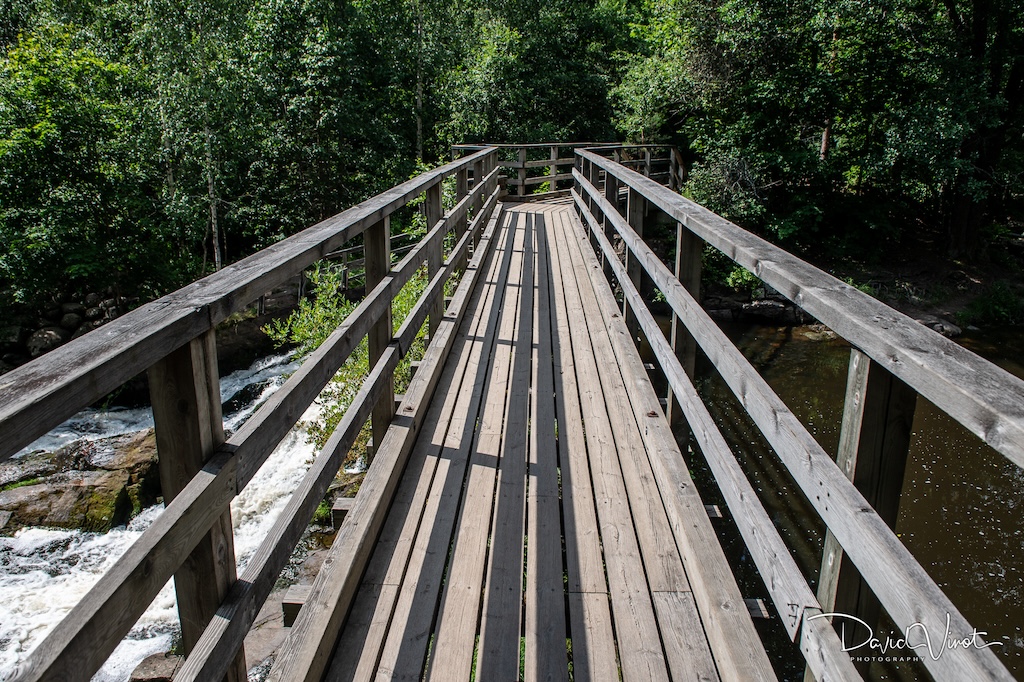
44	572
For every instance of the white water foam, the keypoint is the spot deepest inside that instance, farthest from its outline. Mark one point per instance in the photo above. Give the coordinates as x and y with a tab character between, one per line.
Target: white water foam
45	572
98	424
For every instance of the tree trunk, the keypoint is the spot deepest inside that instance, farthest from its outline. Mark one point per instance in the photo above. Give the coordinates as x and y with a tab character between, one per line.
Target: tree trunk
826	139
419	81
212	197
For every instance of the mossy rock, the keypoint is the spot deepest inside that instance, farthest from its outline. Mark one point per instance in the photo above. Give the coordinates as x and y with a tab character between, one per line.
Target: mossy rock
87	500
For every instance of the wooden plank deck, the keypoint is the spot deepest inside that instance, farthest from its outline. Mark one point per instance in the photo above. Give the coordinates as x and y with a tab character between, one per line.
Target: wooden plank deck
535	534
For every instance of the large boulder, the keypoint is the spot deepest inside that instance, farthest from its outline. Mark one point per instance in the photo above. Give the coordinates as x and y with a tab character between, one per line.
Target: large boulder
12	336
46	339
87	485
88	500
73	309
136	455
71	321
157	668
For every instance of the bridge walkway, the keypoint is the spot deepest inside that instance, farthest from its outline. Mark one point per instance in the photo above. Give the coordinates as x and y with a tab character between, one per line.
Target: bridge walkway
546	522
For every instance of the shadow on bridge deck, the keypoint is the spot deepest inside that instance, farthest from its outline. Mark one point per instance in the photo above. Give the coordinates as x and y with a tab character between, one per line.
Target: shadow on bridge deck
545	522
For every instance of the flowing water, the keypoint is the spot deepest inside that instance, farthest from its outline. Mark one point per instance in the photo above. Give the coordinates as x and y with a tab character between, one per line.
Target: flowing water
44	572
962	502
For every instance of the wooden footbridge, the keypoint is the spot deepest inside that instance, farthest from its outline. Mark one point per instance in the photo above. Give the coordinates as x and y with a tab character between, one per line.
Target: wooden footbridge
528	513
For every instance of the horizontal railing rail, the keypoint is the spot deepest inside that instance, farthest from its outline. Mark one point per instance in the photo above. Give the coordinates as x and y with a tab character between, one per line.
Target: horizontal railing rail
530	167
983	397
183	381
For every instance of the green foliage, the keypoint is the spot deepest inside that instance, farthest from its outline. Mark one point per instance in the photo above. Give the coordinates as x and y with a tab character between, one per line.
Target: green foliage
20	484
535	73
322	515
741	279
141	144
999	303
76	175
835	123
318	316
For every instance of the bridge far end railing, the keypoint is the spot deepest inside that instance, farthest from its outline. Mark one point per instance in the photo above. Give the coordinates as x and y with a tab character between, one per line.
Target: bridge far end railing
544	170
201	472
893	360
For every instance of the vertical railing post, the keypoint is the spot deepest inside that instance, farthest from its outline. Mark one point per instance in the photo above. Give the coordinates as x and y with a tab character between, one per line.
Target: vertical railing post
461	190
185	392
878	415
521	179
611	191
578	164
636	207
647	161
553	182
434	211
478	176
689	249
377	246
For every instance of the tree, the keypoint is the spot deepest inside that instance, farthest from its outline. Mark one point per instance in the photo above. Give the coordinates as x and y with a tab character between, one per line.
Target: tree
77	183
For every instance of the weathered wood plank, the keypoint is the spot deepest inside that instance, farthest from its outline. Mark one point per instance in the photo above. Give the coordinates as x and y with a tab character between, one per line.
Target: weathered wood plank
724	591
456	632
545	627
237	613
556	161
686	644
501	611
405	649
878	414
594	654
636	210
593	641
248	594
789	591
185	392
689	252
377	240
359	647
636	628
540	180
660	557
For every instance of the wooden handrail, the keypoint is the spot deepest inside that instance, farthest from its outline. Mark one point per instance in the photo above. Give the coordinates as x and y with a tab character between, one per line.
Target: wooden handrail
904	588
80	644
40	395
986	399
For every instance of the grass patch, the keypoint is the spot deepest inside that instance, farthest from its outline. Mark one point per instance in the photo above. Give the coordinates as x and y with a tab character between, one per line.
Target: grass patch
20	484
998	303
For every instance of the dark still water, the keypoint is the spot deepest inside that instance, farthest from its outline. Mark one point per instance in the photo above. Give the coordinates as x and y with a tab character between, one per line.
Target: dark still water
962	507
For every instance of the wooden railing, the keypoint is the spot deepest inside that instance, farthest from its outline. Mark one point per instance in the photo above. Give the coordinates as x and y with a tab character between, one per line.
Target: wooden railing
893	360
530	165
173	339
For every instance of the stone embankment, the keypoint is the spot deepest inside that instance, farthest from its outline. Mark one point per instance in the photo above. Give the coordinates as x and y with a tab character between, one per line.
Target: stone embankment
26	339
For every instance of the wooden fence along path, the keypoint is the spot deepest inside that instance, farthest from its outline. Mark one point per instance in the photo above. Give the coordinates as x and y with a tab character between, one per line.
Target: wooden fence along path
528	513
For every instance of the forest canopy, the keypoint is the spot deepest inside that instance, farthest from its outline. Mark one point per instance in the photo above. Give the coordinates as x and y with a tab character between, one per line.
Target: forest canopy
145	143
